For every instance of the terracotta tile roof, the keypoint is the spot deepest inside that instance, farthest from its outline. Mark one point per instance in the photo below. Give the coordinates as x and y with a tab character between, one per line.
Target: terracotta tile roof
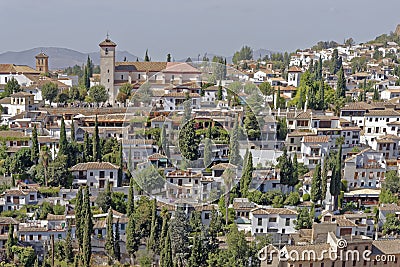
386	112
279	211
243	205
294	69
15	192
107	42
181	94
12	134
11	68
223	166
94	166
299	133
141	66
161	118
387	247
206	207
8	221
6	100
389	207
177	67
138	141
182	173
316	139
52	217
32	229
357	106
343	222
156	156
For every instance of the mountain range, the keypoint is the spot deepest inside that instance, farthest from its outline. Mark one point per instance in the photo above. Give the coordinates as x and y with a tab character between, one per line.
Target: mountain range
60	58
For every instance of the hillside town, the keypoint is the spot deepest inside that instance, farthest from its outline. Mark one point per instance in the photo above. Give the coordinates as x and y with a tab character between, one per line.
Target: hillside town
258	162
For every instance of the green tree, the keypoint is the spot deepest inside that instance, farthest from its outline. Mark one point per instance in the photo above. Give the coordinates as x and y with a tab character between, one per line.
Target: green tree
125	92
247	176
220	94
12	87
132	238
324	178
98	94
117	248
35	146
282	130
234	155
251	125
152	241
376	95
286	168
316	189
109	244
266	88
96	142
164	143
188	143
87	148
68	249
88	229
336	179
304	219
63	149
245	53
392	182
168	57
208	155
79	217
386	197
391	225
130	207
49	91
179	231
149	179
72	131
166	259
341	84
11	241
146	56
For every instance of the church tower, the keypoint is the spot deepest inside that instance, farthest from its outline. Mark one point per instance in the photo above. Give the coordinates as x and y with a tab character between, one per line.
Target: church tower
42	63
107	68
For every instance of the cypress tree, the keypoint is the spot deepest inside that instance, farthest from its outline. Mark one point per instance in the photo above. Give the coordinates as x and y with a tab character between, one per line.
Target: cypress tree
132	240
322	96
164	229
324	177
121	166
109	244
68	249
130	207
35	146
164	143
376	96
107	196
88	229
63	150
130	164
336	179
79	217
87	150
294	177
10	242
146	56
96	142
117	248
319	71
247	177
278	98
219	92
196	255
188	144
151	243
208	156
341	84
72	131
251	125
234	155
286	169
166	260
316	189
168	57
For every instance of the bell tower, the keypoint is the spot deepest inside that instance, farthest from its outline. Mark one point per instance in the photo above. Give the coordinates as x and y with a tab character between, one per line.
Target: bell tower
107	68
42	63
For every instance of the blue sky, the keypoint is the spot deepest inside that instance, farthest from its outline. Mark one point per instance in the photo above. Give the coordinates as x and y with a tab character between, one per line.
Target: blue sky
189	27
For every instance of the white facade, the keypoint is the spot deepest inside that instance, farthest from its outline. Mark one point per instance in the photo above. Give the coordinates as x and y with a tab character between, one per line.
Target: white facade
95	174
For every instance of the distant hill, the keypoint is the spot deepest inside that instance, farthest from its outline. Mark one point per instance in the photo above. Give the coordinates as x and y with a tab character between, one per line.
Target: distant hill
58	57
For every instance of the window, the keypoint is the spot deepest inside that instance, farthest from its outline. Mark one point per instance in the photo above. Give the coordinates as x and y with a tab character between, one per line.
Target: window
106	51
287	222
272	219
102	174
206	216
111	175
123	227
259	222
122	77
90	173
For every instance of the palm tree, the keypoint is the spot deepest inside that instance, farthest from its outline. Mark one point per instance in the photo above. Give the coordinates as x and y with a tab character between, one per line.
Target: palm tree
228	176
44	159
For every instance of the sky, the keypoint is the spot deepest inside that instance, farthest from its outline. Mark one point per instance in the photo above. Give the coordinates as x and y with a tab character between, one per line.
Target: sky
191	27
